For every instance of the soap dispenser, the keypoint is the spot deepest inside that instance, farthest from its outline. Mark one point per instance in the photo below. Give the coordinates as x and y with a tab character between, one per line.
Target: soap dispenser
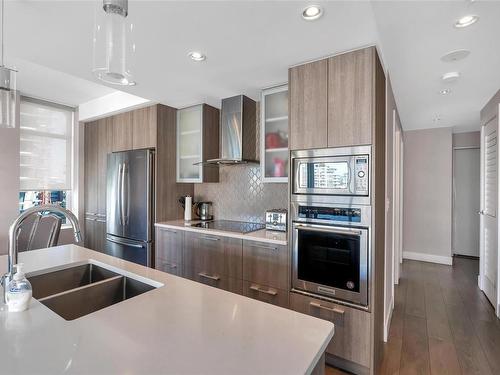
19	291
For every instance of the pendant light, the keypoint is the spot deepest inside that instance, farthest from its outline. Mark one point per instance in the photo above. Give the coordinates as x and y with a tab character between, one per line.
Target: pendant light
8	93
114	48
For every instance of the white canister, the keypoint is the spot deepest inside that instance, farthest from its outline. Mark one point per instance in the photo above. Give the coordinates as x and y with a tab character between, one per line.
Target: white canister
188	208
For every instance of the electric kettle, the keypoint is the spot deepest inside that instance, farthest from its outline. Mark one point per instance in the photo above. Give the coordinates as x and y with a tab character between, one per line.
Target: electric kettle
203	211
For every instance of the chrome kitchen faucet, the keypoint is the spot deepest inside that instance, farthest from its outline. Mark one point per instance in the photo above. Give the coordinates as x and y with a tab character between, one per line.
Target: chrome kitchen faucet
14	229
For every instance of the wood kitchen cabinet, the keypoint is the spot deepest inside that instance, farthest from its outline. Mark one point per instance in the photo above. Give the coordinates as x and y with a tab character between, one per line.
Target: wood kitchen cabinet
351	340
265	272
308	105
332	101
197	141
350	98
274	157
213	260
97	144
169	249
144	127
123	131
265	263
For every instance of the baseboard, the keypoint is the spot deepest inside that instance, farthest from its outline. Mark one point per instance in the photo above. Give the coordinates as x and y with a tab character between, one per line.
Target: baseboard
428	258
387	320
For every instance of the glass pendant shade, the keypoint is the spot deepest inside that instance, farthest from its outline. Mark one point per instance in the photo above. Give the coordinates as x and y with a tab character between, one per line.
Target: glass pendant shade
8	98
114	48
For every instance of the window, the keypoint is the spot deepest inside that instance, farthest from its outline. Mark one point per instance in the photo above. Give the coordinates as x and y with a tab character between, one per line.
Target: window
46	132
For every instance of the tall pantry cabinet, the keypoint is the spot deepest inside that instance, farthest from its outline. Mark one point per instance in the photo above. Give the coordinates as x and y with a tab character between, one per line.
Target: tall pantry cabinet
340	102
150	127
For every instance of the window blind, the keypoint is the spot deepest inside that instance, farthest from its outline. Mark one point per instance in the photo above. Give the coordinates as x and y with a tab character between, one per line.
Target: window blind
45	150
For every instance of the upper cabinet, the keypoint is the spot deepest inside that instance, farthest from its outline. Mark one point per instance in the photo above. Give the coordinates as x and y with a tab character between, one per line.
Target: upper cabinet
122	132
308	94
274	134
197	142
144	127
350	98
331	101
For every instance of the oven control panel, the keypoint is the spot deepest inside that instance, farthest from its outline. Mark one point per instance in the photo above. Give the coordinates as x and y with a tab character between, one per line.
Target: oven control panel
361	174
347	214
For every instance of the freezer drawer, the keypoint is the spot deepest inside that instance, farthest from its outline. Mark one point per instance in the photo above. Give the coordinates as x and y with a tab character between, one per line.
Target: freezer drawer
131	250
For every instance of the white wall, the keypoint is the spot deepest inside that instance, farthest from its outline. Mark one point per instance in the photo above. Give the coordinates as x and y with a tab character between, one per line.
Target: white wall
428	195
110	104
9	183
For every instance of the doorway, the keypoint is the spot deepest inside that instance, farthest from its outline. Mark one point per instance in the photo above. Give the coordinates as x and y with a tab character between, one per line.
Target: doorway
466	201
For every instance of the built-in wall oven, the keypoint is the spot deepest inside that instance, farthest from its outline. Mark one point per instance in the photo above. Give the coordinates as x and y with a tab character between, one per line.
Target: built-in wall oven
330	225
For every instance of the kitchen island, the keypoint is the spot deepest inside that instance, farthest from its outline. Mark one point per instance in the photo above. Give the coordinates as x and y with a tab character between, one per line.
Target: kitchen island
179	327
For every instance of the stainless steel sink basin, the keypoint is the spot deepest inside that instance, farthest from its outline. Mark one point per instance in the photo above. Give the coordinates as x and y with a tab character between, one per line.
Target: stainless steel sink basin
81	290
47	284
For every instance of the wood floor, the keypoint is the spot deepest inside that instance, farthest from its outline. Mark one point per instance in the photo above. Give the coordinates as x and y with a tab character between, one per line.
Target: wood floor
442	323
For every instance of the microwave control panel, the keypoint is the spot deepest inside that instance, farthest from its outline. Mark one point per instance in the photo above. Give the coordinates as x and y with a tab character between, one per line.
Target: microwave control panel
361	172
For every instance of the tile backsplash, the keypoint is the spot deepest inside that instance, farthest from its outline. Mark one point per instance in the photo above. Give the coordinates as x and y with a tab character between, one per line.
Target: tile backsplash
241	195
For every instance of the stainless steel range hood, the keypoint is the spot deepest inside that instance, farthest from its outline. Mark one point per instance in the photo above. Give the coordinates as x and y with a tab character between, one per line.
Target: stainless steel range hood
238	132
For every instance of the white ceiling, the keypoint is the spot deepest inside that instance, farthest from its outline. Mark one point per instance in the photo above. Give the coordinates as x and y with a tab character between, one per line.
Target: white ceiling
415	34
250	45
45	83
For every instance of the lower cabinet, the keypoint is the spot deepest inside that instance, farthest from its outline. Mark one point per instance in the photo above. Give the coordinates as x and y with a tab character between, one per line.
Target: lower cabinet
168	251
95	233
255	269
351	340
278	297
212	257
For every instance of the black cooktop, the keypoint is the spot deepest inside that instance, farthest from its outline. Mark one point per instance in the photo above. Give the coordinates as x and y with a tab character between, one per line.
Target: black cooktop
230	226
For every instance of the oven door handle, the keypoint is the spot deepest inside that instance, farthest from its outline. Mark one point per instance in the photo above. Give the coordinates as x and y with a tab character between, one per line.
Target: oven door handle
318	228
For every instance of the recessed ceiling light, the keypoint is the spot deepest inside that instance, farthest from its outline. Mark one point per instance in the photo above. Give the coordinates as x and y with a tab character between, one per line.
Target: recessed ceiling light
445	91
450	77
197	56
456	55
312	12
466	21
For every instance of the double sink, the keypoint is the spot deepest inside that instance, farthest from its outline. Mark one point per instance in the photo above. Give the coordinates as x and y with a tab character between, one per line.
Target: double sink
80	290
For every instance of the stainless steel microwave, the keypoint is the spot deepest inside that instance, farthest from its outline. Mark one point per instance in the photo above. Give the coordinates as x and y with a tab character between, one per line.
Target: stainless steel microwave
341	171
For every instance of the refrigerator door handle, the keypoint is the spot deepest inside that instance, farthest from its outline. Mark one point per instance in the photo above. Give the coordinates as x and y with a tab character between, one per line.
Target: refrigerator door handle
126	178
119	185
119	242
122	196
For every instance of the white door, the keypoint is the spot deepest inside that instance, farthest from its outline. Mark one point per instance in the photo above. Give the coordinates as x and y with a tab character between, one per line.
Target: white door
466	201
489	198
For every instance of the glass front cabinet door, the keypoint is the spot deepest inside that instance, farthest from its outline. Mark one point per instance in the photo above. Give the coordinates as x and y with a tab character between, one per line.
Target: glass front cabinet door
197	142
274	134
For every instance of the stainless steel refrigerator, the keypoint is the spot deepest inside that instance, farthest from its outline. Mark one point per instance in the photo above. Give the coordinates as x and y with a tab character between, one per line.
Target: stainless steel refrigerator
129	205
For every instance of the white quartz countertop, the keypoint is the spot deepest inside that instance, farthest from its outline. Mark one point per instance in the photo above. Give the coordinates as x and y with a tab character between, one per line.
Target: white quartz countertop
263	235
182	327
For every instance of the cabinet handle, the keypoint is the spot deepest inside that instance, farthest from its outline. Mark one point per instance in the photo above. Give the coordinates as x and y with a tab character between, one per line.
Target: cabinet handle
169	230
210	238
264	246
257	288
211	277
171	265
91	219
332	309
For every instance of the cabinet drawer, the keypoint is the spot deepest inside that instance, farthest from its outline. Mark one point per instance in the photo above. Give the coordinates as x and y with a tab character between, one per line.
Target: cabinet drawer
213	255
278	297
168	266
169	244
266	264
351	340
230	284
